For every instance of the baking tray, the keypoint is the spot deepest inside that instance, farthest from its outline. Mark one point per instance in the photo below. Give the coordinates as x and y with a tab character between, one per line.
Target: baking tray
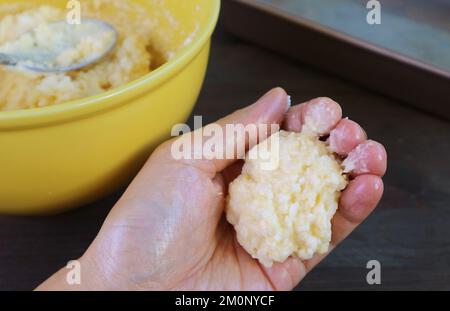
406	57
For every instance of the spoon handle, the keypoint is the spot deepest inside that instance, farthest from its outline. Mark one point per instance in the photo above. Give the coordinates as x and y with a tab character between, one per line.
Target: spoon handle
7	60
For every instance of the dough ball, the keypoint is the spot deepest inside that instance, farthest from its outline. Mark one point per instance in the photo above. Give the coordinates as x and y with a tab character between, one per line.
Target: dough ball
283	202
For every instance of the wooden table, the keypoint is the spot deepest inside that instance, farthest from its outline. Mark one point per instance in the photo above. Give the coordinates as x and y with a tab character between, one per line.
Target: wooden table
409	233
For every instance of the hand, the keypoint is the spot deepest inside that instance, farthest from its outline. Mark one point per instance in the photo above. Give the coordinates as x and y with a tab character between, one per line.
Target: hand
168	232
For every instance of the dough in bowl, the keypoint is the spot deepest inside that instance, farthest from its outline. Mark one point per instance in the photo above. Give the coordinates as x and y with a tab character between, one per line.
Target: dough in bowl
286	210
141	47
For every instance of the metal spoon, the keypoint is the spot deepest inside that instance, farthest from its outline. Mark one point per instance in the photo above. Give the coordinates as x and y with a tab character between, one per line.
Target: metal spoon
32	51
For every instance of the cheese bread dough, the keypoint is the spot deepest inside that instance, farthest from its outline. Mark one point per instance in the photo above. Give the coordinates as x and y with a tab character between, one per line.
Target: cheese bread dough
286	210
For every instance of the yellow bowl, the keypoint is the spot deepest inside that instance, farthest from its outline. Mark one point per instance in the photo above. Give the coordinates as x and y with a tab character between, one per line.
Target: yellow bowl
66	155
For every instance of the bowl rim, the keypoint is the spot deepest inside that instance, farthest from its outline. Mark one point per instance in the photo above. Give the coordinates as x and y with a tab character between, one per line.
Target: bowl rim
67	111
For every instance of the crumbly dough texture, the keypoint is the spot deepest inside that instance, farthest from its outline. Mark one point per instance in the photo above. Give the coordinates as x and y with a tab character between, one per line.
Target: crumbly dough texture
130	59
286	211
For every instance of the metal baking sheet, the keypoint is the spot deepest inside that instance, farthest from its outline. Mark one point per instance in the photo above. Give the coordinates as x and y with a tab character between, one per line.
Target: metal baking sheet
407	56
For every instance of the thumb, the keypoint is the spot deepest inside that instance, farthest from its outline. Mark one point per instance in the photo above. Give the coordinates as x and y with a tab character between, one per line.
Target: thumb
218	145
163	166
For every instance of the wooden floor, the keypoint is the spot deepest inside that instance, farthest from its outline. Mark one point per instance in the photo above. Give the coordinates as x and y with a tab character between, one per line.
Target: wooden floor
409	233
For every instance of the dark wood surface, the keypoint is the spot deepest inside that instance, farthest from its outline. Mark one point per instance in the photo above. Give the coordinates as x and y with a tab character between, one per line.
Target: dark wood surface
409	233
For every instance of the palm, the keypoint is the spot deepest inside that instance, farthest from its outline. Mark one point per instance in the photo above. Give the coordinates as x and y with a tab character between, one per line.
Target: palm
230	264
227	261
